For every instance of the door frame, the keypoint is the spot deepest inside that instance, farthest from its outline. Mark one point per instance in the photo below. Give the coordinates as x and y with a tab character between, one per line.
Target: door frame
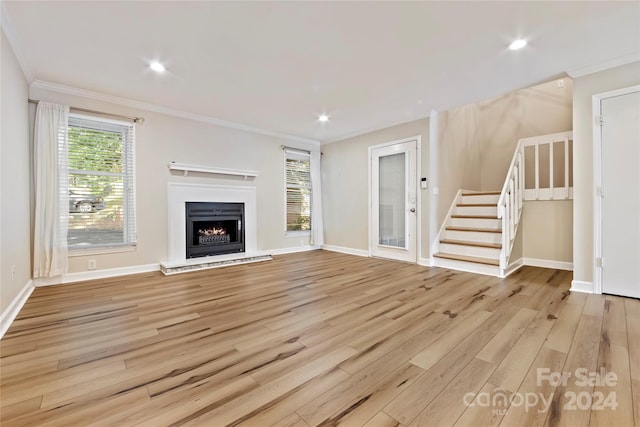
597	180
418	140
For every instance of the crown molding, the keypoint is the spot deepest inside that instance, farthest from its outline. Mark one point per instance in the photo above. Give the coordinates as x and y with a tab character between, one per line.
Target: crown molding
9	32
601	66
140	105
377	128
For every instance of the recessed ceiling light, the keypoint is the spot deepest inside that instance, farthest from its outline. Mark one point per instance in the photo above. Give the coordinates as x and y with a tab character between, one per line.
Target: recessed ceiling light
156	66
518	44
323	118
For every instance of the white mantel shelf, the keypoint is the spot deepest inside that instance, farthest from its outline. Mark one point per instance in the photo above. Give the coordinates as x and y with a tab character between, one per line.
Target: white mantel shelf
207	169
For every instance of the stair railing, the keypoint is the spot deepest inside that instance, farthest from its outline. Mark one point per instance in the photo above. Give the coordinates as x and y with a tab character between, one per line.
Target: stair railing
510	204
551	191
514	193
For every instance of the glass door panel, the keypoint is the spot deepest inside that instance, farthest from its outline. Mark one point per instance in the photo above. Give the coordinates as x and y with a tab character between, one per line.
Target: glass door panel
392	191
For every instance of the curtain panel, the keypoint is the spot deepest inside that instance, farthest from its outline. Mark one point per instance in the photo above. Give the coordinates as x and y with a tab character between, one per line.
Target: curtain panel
51	179
317	224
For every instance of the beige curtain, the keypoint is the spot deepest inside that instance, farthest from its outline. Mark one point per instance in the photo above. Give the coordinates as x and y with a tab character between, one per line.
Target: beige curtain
317	224
51	180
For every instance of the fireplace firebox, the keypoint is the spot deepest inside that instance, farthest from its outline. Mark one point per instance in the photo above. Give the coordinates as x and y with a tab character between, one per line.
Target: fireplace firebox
214	228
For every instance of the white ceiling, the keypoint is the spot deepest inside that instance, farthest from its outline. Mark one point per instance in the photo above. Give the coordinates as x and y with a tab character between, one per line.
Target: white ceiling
277	65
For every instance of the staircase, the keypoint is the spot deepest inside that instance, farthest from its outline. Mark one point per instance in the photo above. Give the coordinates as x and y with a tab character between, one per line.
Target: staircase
471	239
480	229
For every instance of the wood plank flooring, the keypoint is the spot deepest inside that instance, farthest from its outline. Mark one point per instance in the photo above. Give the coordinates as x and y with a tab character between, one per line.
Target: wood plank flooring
321	339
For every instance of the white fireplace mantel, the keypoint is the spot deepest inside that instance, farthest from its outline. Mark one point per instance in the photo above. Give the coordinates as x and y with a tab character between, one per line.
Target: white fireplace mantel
180	193
185	168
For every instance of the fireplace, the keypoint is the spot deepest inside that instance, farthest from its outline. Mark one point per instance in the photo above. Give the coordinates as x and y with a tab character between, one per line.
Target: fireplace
214	228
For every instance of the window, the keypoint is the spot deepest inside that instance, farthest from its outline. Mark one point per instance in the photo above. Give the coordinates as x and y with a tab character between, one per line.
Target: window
298	190
101	183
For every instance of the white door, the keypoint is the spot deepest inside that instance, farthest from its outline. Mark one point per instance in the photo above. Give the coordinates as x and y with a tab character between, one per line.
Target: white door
393	201
621	194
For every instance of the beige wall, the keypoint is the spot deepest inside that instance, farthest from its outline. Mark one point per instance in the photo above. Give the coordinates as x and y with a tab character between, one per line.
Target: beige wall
476	141
162	139
475	147
346	188
483	134
516	250
584	88
459	156
537	110
547	230
15	175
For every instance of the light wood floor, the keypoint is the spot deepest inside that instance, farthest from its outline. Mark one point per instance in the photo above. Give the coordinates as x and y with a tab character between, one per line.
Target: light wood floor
318	338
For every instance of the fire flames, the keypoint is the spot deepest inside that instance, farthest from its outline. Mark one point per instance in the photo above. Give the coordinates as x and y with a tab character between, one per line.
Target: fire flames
213	231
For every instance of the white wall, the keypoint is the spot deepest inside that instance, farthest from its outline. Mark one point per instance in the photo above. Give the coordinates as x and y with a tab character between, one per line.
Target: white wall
583	90
346	188
164	138
15	176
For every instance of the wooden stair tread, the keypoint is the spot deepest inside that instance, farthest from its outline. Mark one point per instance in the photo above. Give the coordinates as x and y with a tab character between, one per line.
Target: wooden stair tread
479	230
475	216
466	258
487	193
476	244
487	205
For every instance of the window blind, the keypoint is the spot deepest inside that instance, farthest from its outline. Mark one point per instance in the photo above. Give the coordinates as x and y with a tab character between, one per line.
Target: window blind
101	182
298	190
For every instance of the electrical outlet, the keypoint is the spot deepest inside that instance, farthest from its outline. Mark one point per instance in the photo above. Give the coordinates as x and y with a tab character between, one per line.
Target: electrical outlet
91	264
13	271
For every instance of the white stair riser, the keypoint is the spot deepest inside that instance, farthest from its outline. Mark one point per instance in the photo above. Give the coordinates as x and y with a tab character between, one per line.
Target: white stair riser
494	224
470	250
477	210
481	199
473	236
466	266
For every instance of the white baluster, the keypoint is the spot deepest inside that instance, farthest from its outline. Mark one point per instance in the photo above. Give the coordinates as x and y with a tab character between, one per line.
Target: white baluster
551	170
566	168
511	213
514	204
522	177
537	166
505	224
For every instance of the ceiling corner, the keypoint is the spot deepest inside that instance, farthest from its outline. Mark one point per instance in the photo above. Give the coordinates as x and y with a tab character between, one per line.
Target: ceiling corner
9	32
601	66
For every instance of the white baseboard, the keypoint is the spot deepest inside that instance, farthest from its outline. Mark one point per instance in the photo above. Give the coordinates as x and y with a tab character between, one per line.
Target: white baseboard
96	274
291	250
581	286
9	314
547	263
514	266
136	269
425	262
348	251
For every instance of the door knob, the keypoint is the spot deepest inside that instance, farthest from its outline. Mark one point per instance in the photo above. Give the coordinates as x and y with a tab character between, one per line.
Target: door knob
412	209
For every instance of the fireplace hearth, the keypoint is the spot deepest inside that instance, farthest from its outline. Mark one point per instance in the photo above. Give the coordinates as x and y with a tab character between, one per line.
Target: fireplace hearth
214	228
